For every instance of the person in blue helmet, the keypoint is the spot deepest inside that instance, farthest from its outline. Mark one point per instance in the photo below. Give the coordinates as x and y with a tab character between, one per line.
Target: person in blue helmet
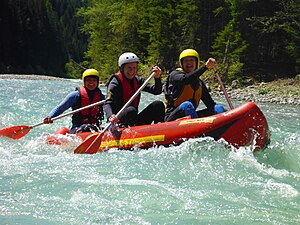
88	119
184	89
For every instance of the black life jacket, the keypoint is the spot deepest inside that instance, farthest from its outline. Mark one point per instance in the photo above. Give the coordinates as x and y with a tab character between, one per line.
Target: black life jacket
186	92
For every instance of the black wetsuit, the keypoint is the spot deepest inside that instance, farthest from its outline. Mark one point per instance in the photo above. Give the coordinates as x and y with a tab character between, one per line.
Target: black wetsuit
130	116
176	82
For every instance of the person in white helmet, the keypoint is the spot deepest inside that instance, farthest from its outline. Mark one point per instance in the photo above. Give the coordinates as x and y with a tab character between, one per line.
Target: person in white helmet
88	119
123	85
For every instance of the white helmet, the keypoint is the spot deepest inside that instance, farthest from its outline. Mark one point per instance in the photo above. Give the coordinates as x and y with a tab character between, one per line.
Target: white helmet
127	57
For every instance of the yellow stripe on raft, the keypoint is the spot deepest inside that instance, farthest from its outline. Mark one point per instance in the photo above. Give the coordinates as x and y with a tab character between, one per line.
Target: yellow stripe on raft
200	120
132	141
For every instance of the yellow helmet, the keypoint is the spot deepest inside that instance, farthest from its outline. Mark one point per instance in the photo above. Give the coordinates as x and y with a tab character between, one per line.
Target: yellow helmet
189	52
90	72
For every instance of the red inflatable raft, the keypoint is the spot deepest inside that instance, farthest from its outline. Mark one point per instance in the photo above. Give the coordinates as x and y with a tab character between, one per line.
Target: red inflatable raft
245	125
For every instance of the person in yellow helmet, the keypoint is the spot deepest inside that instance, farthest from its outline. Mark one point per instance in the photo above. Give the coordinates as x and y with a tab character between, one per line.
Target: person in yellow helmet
87	119
184	89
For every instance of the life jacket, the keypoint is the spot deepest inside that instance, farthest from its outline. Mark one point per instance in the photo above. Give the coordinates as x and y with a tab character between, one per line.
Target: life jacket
127	90
187	92
92	115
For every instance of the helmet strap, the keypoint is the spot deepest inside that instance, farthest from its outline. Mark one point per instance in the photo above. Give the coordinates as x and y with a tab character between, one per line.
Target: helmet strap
121	68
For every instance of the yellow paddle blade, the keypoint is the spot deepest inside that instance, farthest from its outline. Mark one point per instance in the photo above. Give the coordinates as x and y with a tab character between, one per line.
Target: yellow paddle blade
15	132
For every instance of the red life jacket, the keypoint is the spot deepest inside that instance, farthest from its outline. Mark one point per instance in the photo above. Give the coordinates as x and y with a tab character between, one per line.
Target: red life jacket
90	115
127	91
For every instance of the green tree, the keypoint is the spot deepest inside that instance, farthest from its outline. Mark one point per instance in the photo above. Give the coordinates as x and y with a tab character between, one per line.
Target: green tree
112	29
70	26
32	42
272	30
229	46
154	32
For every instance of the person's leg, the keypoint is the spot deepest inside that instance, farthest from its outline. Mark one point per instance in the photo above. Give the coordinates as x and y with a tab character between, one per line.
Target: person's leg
209	112
158	109
188	108
128	116
175	115
74	129
155	112
205	112
87	128
184	109
219	109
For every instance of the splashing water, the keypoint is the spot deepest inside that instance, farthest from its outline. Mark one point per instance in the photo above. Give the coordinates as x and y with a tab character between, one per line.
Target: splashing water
198	182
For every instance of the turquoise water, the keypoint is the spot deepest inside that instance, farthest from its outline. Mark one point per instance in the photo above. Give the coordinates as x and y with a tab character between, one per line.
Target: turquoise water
197	182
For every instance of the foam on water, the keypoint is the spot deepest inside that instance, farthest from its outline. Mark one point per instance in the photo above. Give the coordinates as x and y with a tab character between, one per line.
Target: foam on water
198	182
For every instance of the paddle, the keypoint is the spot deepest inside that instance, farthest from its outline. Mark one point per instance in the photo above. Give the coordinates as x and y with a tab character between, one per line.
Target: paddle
16	132
92	143
223	88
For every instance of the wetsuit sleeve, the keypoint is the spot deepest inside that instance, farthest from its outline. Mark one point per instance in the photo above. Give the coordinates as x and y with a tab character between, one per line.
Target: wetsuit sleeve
113	94
70	100
206	98
103	96
155	88
180	77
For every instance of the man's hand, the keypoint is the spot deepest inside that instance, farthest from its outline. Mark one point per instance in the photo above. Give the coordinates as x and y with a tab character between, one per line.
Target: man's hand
157	71
48	120
113	119
210	63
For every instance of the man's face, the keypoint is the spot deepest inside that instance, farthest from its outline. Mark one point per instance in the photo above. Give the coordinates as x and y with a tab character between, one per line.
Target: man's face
91	83
130	70
189	64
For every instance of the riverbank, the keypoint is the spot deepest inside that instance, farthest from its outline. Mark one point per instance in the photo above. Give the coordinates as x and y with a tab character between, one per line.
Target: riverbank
283	91
29	77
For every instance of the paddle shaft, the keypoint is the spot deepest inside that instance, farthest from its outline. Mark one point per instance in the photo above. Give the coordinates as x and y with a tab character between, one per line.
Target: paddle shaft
87	148
136	94
72	112
130	100
223	88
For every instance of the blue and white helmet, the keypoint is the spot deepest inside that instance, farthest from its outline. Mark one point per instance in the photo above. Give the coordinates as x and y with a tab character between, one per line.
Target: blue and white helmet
127	57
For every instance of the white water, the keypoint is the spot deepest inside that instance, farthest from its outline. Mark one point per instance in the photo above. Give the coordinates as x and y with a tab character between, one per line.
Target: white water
197	182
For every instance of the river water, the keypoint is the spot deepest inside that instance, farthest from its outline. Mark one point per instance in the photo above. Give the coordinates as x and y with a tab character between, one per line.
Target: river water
197	182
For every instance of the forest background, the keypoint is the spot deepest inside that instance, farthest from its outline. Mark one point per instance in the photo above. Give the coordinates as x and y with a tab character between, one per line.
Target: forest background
251	39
